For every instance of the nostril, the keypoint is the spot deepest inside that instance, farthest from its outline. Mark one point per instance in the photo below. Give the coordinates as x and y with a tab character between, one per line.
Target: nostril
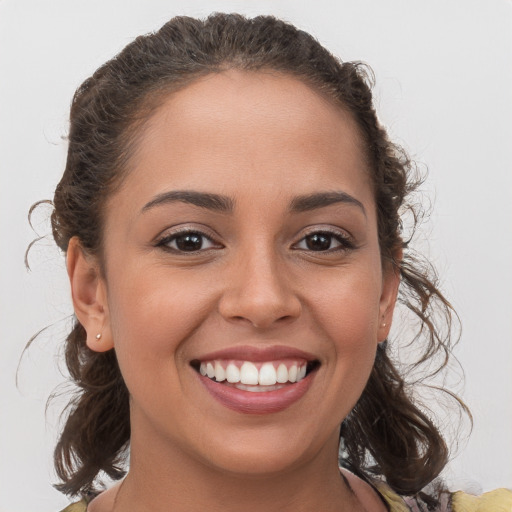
286	318
264	324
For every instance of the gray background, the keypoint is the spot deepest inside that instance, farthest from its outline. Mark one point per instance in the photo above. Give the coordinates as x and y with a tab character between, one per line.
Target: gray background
444	82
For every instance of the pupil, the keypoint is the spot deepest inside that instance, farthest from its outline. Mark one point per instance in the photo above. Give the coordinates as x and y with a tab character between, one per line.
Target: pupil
189	242
318	242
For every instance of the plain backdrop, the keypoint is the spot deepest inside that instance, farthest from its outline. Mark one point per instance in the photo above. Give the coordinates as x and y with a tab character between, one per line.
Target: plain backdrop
444	82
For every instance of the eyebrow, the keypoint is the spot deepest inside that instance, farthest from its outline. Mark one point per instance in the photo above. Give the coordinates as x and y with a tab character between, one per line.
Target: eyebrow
225	204
323	199
213	202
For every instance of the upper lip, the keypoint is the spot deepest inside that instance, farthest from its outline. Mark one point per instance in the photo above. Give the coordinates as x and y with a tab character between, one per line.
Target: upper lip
257	354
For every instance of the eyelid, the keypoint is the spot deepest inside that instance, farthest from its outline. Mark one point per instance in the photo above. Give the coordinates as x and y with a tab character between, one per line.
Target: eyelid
183	229
322	228
346	239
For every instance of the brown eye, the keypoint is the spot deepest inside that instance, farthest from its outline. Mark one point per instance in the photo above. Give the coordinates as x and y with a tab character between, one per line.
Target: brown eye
318	242
324	241
189	241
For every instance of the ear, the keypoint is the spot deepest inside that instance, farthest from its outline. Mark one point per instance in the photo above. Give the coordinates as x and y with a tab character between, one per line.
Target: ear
89	294
390	284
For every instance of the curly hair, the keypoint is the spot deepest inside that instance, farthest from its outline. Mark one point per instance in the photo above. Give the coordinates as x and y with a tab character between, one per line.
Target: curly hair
387	434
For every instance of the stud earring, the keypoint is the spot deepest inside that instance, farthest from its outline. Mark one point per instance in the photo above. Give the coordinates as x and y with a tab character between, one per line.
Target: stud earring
384	324
98	336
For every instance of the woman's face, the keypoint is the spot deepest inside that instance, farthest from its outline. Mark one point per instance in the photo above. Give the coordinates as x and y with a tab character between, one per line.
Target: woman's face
243	244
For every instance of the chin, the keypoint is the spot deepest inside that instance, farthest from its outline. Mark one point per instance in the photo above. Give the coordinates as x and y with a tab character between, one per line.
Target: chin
258	463
263	454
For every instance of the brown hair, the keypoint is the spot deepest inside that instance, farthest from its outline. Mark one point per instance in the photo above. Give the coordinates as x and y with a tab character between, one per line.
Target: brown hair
386	434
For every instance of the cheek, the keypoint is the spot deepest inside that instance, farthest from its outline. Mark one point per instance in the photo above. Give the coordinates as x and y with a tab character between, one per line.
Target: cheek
347	311
347	307
152	313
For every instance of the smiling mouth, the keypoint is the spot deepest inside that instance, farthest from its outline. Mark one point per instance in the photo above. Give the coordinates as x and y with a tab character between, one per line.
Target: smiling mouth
256	377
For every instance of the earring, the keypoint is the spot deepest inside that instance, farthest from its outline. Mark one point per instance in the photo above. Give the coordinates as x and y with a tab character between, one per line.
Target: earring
98	336
383	325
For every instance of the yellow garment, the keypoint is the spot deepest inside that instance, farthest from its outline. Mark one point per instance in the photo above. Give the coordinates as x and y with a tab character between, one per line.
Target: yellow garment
79	506
499	500
393	500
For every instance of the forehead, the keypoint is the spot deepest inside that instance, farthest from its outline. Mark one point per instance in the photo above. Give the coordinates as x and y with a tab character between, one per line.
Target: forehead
252	100
251	130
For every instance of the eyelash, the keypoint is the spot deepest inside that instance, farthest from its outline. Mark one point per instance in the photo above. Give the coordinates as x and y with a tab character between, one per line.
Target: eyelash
345	242
166	240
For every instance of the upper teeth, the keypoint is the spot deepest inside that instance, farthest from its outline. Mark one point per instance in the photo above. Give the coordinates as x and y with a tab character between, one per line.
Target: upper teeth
248	373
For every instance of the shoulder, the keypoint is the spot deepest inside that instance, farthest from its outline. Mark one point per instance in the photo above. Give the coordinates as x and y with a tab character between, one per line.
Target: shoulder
96	500
79	506
499	500
398	503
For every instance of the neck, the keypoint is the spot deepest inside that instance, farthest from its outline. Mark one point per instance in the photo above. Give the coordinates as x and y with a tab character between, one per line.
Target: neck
167	479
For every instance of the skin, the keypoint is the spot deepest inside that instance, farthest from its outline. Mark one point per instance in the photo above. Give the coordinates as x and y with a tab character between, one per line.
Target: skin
262	140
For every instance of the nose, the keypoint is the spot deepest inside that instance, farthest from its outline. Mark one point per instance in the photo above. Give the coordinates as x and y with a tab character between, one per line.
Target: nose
258	292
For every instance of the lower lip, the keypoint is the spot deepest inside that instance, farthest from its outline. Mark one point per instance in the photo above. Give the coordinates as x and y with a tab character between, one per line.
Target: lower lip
265	402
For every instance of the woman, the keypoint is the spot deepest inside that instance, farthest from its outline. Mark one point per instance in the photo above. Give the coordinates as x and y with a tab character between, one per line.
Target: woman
230	214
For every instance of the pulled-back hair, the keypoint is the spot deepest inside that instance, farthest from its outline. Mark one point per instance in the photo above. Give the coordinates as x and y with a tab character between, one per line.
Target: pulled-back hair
386	435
